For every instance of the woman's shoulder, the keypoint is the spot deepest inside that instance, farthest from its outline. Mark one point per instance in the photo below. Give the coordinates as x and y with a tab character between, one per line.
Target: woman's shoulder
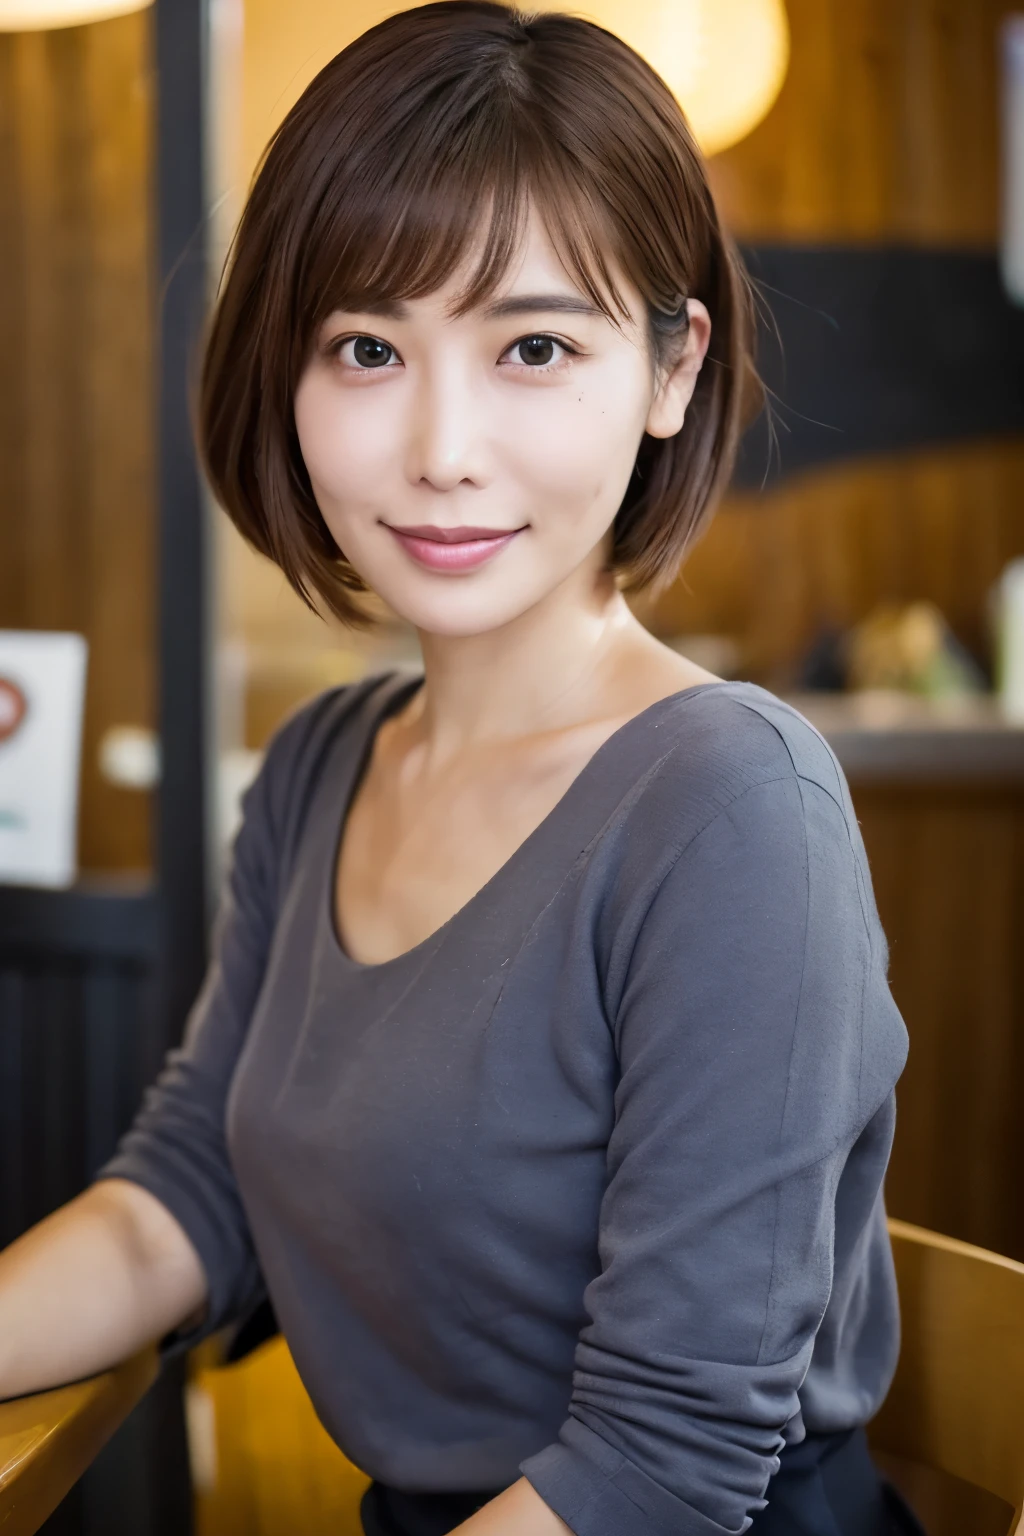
699	754
763	735
337	721
725	738
736	799
321	719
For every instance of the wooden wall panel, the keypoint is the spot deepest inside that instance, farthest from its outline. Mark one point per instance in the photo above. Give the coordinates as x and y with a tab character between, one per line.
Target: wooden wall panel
886	128
825	547
948	871
76	438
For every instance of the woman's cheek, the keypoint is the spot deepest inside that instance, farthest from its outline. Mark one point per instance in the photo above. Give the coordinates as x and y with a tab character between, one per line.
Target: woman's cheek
343	434
342	460
580	475
559	448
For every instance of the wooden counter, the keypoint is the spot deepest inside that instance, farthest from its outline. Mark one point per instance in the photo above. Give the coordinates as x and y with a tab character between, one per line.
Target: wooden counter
48	1439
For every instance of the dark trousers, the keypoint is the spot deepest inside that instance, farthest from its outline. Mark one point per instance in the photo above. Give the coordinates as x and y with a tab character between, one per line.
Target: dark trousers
825	1486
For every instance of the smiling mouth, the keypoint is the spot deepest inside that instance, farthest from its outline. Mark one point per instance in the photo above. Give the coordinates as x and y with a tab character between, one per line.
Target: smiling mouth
452	549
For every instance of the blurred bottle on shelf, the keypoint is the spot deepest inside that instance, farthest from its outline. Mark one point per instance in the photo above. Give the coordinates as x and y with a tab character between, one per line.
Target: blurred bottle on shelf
902	647
1009	640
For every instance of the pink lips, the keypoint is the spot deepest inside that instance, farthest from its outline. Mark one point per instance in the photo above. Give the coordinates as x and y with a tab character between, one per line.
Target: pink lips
452	549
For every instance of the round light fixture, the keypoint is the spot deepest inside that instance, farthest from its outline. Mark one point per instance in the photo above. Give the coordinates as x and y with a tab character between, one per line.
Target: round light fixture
42	15
725	60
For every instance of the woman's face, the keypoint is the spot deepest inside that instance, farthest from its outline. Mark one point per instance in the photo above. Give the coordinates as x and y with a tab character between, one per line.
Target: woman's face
468	467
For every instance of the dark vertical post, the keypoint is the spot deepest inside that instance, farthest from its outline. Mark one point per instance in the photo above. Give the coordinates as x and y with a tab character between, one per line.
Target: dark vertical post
184	641
183	637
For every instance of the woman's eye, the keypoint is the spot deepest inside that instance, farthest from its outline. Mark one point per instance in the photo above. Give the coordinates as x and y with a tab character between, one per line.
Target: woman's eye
538	351
365	352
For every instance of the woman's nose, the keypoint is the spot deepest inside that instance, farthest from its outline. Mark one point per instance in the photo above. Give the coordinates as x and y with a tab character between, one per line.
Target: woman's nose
446	430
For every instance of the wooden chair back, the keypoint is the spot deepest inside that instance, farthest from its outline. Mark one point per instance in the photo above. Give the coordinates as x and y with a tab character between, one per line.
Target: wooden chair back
262	1463
957	1402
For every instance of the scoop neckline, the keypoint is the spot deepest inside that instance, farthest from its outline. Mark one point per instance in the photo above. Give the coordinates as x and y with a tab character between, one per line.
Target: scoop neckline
392	703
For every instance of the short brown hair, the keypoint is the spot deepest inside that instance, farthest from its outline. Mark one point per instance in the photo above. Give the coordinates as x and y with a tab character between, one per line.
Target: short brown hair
373	188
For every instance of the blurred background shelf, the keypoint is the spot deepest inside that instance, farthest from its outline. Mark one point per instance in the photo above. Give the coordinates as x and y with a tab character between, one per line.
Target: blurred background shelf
898	738
101	917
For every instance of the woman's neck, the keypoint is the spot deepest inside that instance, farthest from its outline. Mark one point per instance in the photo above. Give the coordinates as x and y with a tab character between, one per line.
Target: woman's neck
542	672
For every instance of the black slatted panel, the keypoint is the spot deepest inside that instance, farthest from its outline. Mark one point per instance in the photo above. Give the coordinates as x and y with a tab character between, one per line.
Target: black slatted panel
79	1041
880	349
76	1050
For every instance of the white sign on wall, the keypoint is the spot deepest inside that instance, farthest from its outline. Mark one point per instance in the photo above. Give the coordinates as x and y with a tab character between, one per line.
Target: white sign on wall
42	691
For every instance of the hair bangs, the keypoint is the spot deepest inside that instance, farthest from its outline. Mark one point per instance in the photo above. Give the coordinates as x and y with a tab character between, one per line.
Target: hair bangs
466	209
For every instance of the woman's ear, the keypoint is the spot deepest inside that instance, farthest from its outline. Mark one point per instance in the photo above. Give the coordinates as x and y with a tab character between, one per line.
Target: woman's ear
675	388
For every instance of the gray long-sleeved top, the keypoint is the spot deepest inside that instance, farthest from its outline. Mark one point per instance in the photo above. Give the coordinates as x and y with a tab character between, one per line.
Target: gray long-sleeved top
587	1185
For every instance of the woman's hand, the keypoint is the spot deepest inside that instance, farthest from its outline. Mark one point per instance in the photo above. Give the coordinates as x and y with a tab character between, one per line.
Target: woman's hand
102	1277
519	1511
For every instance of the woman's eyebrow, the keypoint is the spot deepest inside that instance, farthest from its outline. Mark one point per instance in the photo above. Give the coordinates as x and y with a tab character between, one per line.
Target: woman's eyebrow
498	309
534	303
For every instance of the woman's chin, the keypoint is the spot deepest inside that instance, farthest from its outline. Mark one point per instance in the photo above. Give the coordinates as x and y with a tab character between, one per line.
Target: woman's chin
459	620
457	608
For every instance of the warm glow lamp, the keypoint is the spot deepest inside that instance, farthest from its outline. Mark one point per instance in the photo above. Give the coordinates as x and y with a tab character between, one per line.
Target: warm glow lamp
39	15
725	60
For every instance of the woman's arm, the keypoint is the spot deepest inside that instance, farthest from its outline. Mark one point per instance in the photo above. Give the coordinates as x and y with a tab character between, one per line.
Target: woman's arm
519	1511
96	1281
757	1044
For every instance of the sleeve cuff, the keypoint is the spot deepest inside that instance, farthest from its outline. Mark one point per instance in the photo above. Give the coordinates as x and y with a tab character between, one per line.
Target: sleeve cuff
597	1492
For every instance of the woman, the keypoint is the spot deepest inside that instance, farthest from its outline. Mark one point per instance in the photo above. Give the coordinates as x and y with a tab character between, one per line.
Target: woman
543	1077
